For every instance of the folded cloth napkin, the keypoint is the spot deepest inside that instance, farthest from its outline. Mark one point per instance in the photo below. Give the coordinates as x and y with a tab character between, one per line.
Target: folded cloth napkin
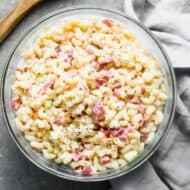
169	167
169	20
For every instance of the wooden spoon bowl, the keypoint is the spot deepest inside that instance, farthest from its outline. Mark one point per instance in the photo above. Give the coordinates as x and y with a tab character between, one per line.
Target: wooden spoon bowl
8	23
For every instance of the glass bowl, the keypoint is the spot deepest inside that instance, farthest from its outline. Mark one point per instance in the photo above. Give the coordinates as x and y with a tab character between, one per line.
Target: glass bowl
150	44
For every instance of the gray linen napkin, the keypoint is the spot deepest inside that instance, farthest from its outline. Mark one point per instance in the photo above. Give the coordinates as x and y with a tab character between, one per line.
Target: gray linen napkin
169	167
169	20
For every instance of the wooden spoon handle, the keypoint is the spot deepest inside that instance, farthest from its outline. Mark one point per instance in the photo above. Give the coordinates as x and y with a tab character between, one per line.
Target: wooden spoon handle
8	22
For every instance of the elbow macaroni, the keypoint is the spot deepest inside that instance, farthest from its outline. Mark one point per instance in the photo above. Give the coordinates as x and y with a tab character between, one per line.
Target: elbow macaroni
88	95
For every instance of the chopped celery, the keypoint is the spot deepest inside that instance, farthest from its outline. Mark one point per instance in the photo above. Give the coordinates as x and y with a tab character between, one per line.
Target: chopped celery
48	104
84	27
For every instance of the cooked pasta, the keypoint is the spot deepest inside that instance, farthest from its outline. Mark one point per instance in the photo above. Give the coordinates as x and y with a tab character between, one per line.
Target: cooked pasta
88	95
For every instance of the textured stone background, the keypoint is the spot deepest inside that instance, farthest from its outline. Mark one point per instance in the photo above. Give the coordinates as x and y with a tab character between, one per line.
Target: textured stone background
16	172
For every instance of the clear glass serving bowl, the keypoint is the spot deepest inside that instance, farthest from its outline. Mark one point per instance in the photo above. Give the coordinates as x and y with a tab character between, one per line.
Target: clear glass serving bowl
145	37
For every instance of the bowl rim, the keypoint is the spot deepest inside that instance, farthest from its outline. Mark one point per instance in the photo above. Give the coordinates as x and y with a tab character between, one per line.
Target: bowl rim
51	170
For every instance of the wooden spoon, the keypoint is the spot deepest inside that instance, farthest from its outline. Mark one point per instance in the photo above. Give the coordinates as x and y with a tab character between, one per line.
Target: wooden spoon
8	23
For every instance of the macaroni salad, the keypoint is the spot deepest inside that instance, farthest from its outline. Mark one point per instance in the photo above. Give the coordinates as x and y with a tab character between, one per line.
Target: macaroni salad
88	95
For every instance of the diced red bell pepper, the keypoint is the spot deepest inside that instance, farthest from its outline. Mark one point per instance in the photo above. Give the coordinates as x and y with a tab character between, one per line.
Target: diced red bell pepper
108	22
16	101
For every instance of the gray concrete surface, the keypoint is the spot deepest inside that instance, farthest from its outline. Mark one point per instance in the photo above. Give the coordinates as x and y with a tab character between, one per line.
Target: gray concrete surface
16	172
